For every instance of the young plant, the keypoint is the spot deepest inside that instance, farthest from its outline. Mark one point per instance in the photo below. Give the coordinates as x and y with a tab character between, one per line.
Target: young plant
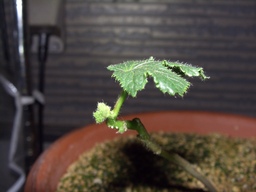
168	78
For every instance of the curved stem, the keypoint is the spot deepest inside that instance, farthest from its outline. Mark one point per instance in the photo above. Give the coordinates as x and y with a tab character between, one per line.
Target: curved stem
144	136
178	160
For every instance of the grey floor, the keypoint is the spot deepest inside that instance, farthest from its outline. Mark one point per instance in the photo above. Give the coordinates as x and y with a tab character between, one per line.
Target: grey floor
7	178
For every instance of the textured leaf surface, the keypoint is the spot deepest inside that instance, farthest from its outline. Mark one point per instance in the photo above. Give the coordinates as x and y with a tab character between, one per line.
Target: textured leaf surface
132	75
186	69
102	113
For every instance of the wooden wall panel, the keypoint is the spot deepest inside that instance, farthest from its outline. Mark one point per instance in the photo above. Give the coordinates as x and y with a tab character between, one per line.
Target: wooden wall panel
217	35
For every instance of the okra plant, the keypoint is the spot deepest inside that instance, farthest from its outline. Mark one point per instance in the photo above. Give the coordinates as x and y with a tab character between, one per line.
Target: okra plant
169	77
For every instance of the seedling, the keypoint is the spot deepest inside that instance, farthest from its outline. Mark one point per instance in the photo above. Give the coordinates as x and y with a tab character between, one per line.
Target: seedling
169	77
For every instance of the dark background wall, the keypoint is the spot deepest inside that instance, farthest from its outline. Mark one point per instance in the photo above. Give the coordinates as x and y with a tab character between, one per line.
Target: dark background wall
8	63
217	35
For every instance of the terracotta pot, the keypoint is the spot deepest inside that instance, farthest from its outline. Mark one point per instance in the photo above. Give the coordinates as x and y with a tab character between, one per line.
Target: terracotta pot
52	164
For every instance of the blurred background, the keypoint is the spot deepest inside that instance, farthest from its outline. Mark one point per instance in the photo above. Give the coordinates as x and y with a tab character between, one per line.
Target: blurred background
60	50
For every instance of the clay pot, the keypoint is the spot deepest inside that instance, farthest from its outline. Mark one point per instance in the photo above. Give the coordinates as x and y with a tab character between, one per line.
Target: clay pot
52	164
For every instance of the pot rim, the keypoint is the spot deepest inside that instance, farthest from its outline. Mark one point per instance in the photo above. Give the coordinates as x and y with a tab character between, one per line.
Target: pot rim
67	149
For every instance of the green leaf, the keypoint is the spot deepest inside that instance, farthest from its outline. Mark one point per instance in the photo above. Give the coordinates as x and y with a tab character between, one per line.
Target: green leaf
168	76
102	112
186	69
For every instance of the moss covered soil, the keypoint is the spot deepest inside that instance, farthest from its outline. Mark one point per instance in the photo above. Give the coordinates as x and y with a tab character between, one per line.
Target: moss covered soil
124	165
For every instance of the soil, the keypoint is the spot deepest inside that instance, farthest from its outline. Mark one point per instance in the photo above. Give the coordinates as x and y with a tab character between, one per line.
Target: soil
124	165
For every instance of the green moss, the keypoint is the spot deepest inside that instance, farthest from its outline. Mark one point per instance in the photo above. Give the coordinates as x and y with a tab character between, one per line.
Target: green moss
125	165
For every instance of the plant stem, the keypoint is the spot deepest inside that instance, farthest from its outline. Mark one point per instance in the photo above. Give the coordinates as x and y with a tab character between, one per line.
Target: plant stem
122	97
178	160
144	136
